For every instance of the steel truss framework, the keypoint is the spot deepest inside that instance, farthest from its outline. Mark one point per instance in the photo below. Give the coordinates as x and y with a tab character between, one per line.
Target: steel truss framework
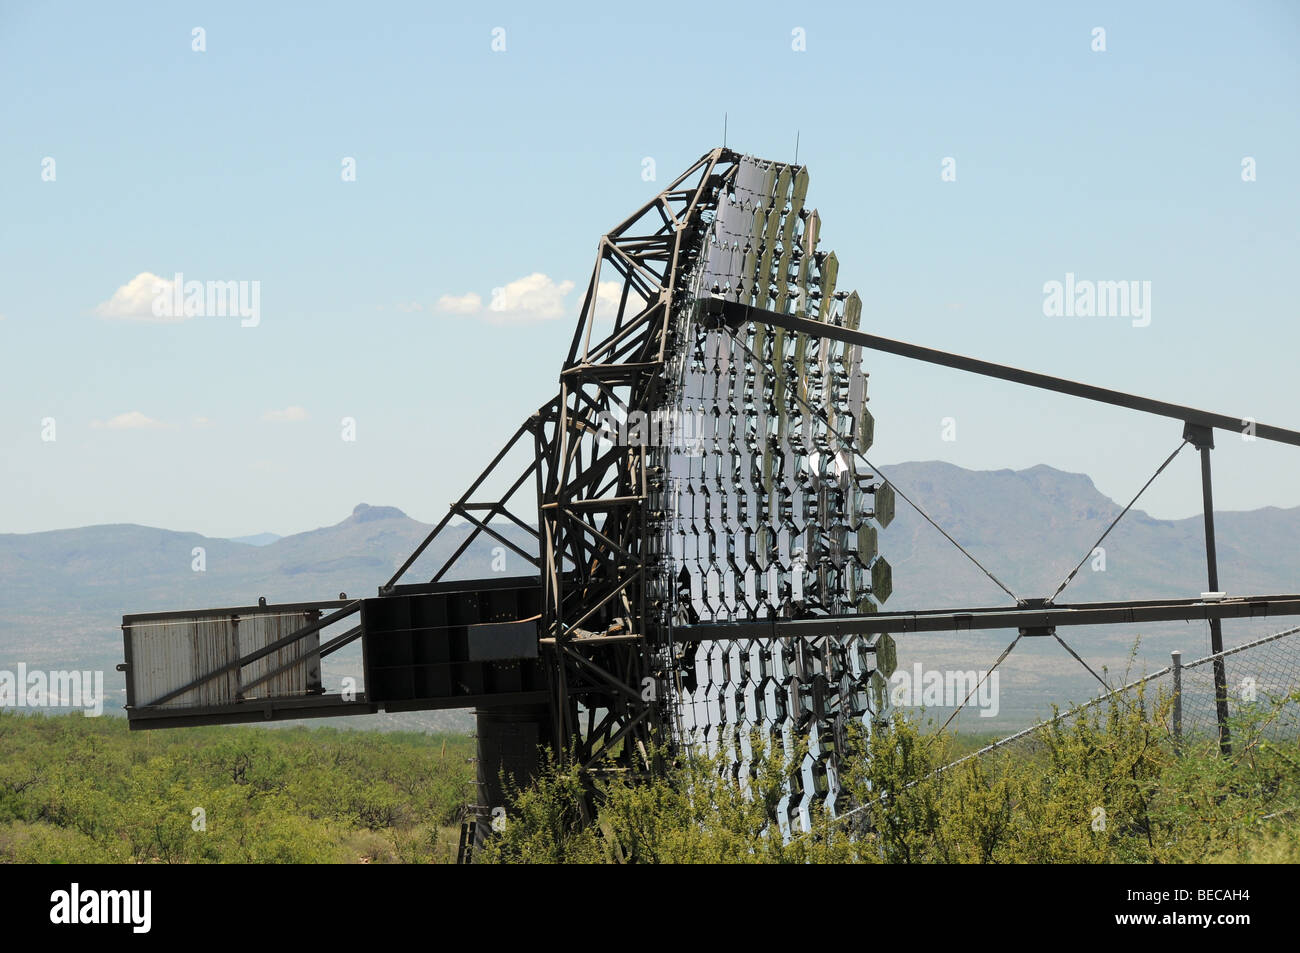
604	638
601	627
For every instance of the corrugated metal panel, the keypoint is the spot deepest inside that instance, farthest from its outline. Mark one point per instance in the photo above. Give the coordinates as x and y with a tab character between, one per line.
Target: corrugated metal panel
169	653
261	630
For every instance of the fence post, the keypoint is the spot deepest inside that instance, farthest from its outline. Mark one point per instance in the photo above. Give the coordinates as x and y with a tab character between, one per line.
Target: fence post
1178	699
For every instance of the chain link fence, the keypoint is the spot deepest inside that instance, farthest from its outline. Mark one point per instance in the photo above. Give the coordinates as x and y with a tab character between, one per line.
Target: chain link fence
1261	677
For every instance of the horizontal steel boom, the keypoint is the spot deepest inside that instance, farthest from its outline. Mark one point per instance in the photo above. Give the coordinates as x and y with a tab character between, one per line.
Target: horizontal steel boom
734	314
964	620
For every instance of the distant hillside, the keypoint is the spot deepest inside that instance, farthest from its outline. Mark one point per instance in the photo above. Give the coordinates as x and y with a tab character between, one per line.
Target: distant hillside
1031	527
63	593
127	568
257	539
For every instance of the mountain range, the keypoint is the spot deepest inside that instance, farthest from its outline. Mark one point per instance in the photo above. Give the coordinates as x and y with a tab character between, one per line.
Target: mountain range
63	592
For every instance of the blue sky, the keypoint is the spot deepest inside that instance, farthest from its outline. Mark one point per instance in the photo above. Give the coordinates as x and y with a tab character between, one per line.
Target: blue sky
477	168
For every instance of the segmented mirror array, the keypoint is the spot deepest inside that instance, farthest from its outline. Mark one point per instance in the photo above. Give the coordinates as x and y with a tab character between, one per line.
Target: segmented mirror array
769	514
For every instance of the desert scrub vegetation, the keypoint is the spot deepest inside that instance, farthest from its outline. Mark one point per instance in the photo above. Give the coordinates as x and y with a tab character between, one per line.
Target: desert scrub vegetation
82	790
1108	785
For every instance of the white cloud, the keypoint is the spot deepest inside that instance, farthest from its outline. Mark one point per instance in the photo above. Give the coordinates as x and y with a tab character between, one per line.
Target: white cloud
133	420
534	297
289	415
407	307
134	300
608	295
460	304
200	421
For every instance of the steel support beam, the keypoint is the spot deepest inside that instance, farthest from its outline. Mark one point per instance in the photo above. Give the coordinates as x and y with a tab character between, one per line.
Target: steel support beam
970	620
734	315
1203	439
